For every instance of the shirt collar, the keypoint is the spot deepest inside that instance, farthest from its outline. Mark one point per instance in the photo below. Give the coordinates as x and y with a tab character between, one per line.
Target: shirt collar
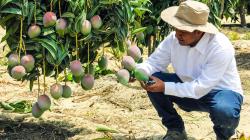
202	44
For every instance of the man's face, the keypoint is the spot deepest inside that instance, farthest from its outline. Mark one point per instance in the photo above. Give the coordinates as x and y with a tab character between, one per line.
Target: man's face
186	38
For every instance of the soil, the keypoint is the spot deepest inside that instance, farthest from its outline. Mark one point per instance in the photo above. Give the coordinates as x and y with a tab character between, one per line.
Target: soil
125	109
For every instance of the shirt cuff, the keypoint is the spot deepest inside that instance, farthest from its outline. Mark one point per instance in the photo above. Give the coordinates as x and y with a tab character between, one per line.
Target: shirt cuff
170	88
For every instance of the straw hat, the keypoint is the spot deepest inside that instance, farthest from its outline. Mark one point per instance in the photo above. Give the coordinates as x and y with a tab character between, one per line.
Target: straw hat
189	16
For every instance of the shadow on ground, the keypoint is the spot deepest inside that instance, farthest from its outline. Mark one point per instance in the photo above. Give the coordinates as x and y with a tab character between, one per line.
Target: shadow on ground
243	60
14	130
154	137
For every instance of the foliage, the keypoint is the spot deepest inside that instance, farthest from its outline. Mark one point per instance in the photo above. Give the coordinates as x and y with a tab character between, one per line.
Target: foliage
232	35
17	106
247	36
222	9
54	52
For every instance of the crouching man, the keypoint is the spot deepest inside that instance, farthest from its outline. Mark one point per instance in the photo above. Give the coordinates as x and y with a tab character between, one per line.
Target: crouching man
205	79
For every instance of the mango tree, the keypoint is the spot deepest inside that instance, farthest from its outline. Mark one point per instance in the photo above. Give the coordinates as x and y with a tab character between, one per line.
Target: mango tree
64	36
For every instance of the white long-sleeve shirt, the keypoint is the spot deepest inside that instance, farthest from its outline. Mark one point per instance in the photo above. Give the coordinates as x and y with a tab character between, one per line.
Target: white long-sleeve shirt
208	65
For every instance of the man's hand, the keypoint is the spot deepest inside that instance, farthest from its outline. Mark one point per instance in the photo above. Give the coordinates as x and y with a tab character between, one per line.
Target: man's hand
159	85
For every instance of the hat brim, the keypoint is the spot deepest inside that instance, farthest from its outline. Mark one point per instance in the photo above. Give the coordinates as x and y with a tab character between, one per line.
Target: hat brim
168	15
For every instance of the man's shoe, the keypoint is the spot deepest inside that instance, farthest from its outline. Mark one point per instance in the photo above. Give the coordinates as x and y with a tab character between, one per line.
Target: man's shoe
175	135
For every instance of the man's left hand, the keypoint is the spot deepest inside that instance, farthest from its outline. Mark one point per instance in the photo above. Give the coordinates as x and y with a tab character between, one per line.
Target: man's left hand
158	86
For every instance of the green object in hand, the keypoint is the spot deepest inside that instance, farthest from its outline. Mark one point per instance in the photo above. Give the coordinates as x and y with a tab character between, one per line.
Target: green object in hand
141	75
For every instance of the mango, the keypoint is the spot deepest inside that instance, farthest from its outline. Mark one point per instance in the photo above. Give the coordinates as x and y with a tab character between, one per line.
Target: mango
44	102
28	62
76	68
134	52
49	19
96	22
66	91
87	82
86	27
56	91
123	76
13	60
103	62
61	25
141	75
128	63
34	31
18	72
36	111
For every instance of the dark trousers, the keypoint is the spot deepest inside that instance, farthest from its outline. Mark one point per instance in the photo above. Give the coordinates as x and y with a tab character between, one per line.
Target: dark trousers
223	107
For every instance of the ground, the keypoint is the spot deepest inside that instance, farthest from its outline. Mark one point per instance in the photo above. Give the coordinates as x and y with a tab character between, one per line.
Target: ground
125	109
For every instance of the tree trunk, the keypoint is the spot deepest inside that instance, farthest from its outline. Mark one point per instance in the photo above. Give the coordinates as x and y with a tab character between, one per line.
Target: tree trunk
222	8
242	12
248	7
149	43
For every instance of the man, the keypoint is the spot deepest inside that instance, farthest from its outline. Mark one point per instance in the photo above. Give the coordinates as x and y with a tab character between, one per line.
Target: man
206	76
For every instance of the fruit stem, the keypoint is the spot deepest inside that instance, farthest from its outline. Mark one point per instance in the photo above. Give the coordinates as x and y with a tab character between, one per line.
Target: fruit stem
57	73
65	76
38	82
102	49
21	39
76	47
24	48
44	71
129	32
51	5
35	12
59	6
88	58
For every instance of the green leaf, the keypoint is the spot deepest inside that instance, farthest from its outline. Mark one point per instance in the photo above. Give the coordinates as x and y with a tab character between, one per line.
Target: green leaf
16	26
21	106
5	37
17	3
121	46
86	38
68	15
25	8
128	10
11	31
50	45
79	20
5	19
6	106
47	31
4	2
11	11
140	11
31	12
92	13
109	2
138	30
61	57
50	59
69	77
120	14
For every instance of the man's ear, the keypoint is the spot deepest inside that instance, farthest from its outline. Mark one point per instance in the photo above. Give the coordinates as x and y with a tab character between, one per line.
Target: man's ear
198	33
